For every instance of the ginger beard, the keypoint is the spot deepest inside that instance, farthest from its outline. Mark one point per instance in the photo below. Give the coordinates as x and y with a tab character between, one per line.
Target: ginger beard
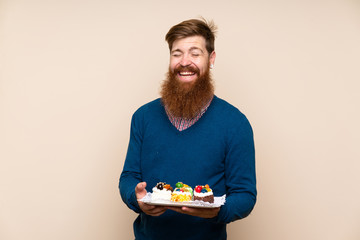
186	99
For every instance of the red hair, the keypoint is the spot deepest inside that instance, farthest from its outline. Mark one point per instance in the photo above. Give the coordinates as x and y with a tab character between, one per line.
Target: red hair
193	27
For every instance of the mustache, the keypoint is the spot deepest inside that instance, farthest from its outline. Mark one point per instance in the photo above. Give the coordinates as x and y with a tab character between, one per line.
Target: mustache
189	68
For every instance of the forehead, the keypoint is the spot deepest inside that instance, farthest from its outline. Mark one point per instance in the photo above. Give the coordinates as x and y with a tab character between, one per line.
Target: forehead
188	43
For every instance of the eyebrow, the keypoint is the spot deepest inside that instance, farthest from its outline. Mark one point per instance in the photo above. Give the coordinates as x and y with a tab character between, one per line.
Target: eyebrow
191	49
176	50
196	48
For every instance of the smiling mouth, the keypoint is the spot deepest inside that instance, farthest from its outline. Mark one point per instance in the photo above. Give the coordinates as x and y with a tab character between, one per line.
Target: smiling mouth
186	73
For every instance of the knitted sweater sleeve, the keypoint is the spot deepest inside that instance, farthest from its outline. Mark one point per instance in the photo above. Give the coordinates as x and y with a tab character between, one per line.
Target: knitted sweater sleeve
131	174
239	173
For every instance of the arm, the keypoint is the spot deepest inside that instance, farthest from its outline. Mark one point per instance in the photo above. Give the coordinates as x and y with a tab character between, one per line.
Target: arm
240	177
130	184
131	174
239	173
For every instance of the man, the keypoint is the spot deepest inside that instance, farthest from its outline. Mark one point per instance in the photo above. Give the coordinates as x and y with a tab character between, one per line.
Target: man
189	135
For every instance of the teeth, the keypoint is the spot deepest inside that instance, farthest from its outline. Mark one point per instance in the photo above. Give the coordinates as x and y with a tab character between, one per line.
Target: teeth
186	73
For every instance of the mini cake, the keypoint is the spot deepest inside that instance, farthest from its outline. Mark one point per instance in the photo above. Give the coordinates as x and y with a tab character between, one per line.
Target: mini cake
203	193
182	193
161	191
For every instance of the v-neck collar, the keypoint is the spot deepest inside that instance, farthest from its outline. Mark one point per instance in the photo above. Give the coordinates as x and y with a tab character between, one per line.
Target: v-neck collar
182	124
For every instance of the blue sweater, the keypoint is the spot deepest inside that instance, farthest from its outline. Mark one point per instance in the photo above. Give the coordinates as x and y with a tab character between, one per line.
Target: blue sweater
217	150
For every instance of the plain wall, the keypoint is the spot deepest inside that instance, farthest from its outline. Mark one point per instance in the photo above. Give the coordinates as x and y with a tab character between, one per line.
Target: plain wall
73	72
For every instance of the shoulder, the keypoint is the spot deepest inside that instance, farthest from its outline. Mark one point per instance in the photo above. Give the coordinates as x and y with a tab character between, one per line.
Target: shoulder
233	123
149	107
227	110
230	117
149	113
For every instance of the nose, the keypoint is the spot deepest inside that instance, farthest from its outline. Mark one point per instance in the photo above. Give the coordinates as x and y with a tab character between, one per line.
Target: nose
185	61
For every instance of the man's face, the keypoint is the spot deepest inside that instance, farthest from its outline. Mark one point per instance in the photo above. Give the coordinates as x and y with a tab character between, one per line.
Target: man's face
189	59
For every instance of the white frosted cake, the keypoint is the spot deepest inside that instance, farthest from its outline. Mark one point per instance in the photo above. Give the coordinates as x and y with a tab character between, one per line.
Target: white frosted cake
161	191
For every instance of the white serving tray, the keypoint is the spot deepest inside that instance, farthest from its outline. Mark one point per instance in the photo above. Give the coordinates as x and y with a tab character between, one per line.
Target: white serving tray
218	201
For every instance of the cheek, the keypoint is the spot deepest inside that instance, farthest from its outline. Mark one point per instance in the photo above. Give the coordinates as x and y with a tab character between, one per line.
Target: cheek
201	64
202	68
173	65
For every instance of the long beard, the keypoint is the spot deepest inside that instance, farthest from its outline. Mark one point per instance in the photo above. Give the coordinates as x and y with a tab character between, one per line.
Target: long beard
186	100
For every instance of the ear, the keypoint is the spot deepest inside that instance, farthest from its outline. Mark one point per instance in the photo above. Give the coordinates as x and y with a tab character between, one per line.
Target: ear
212	58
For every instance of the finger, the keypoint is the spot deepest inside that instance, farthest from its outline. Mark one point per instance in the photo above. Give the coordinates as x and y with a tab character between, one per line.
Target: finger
140	187
176	209
154	211
157	212
199	212
140	190
191	211
184	209
146	207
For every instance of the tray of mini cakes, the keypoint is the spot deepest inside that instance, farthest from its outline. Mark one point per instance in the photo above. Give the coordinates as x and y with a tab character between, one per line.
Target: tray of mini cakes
183	195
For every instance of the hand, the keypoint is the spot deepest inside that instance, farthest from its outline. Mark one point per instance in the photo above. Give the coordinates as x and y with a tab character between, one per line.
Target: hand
151	210
198	212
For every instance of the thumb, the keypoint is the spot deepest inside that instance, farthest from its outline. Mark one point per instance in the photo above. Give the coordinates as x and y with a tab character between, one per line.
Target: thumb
140	189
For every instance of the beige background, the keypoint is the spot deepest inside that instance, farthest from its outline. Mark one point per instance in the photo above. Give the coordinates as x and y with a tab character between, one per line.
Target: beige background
73	72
